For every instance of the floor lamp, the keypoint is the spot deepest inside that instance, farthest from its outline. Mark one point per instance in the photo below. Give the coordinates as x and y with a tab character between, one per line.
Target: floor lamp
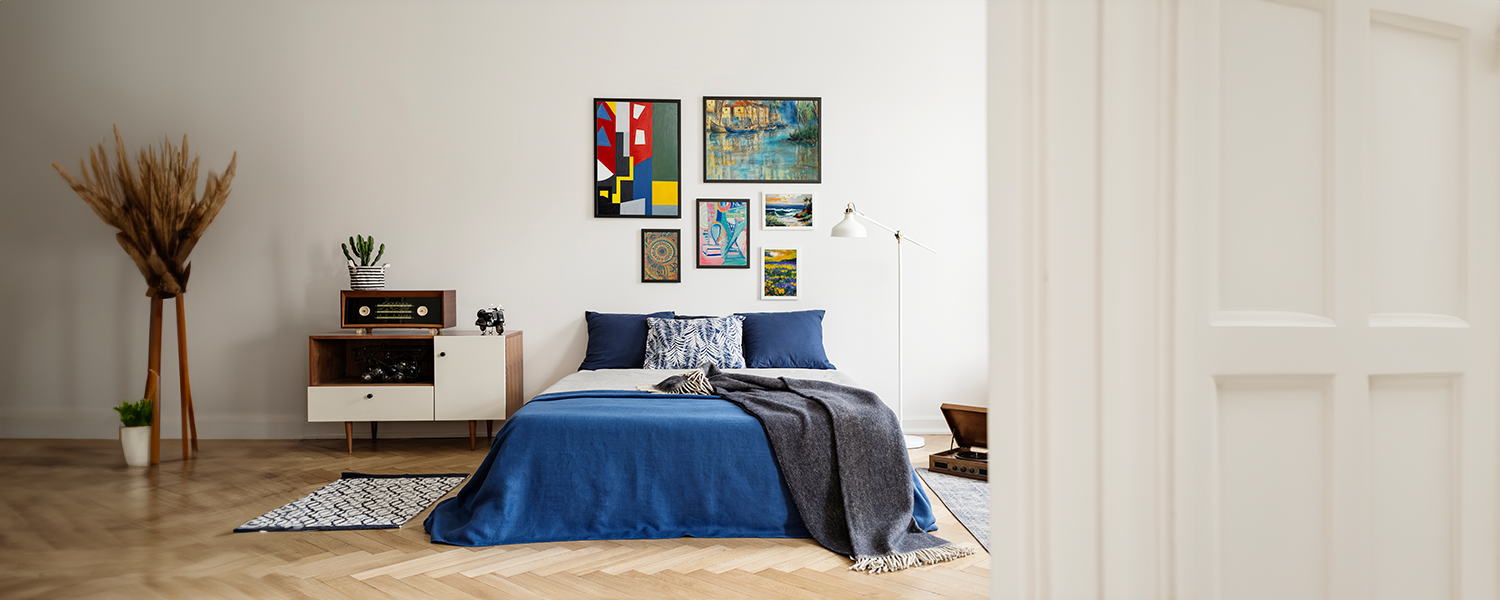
850	228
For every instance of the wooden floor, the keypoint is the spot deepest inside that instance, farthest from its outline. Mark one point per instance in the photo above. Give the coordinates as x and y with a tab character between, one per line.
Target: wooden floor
75	522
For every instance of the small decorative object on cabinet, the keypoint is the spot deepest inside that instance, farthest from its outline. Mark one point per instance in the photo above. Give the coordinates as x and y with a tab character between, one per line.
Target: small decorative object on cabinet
367	310
460	376
365	274
491	320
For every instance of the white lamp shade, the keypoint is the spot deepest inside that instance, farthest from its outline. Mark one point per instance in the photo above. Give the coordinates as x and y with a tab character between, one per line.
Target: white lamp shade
849	227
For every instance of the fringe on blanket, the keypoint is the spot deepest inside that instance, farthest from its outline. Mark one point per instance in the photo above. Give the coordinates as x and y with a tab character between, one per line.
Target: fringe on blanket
897	562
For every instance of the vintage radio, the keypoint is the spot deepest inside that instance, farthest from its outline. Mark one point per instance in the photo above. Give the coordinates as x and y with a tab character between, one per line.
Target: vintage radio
372	309
970	431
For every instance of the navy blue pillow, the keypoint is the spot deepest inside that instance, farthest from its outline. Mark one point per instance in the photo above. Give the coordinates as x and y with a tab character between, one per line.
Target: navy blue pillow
785	340
617	341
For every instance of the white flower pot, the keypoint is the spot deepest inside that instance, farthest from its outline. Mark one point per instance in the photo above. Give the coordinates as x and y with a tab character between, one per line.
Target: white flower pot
137	444
368	278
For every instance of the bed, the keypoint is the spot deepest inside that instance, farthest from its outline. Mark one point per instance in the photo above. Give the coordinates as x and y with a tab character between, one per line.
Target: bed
595	457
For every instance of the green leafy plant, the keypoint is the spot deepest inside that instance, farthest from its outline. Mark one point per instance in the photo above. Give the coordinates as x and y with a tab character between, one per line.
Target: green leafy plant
135	414
363	247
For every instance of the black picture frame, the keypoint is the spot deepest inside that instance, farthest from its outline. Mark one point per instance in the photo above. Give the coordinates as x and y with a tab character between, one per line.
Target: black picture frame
758	125
698	232
665	156
655	250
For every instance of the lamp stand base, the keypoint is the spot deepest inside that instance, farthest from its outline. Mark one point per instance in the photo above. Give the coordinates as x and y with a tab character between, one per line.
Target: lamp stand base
914	442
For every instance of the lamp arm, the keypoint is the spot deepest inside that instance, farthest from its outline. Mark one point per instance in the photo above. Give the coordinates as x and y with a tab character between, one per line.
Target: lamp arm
899	235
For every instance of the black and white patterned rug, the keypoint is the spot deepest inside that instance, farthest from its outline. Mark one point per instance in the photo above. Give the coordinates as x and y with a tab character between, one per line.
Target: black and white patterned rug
359	501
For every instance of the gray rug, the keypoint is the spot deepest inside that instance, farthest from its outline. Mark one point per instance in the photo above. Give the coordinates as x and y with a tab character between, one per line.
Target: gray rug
358	501
968	499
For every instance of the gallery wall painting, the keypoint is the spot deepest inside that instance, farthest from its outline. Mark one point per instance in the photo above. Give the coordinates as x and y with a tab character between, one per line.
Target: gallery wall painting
637	158
661	255
762	139
723	234
787	211
778	280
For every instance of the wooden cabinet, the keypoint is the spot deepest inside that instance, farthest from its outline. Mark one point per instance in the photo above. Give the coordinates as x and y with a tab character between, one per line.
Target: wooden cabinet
459	376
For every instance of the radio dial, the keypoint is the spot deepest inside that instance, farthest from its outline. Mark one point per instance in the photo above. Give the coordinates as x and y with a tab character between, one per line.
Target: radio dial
364	311
421	311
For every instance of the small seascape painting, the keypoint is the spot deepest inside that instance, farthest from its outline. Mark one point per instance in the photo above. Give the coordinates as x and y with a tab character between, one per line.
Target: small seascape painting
769	139
661	256
637	158
778	279
788	211
723	234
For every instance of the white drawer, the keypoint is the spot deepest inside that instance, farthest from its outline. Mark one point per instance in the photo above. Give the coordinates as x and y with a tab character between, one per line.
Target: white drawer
369	403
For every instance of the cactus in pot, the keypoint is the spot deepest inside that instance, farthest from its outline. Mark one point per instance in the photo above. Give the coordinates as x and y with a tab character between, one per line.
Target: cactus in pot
366	274
363	247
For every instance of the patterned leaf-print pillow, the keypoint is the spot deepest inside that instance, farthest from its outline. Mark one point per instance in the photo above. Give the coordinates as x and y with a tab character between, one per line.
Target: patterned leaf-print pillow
688	343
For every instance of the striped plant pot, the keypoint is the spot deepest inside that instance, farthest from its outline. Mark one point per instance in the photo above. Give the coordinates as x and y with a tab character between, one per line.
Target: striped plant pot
368	278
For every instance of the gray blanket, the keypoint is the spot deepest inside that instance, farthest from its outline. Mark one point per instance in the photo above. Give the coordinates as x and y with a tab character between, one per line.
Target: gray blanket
841	452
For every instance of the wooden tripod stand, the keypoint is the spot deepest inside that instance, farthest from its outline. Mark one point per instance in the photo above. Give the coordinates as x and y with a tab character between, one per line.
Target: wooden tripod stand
153	391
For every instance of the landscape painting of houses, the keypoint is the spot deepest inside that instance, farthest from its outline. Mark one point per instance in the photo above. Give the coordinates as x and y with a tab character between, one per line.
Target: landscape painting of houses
762	139
637	158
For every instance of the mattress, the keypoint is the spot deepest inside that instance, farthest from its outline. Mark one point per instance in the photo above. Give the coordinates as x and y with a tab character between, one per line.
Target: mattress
593	458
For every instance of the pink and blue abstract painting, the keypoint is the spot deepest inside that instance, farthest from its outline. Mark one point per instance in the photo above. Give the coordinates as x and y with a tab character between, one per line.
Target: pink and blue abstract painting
723	234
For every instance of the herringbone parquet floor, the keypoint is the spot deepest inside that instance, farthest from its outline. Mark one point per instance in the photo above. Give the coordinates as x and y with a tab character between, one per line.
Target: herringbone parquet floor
75	522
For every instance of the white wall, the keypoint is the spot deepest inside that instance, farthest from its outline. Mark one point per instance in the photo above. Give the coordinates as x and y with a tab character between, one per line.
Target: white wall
455	133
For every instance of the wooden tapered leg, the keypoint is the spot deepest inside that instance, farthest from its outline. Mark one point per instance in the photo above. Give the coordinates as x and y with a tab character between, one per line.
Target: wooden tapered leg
153	391
189	424
472	426
349	435
153	387
489	429
374	427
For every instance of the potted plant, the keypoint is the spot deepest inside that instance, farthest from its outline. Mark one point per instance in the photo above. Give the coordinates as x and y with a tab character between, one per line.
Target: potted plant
365	275
135	431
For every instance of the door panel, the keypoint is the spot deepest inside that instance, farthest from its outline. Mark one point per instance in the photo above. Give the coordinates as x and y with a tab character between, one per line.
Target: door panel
1417	198
1339	342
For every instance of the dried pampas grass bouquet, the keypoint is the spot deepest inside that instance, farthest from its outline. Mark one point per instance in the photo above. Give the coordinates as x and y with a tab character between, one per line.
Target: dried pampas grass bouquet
155	206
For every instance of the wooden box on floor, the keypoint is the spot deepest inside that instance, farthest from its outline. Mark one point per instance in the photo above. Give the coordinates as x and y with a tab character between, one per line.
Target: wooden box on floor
970	431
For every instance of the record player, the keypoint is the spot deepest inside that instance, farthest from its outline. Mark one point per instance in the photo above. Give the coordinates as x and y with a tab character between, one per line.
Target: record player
970	431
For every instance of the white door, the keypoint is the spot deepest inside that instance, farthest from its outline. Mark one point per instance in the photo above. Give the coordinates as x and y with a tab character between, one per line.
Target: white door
1336	435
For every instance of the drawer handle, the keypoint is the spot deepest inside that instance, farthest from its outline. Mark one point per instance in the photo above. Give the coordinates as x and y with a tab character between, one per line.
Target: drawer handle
368	396
442	354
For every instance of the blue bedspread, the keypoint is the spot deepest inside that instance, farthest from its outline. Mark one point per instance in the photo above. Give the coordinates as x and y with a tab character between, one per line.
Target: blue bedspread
602	465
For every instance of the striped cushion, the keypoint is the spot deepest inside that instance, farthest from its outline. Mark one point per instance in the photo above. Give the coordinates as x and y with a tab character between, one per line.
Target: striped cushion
688	343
